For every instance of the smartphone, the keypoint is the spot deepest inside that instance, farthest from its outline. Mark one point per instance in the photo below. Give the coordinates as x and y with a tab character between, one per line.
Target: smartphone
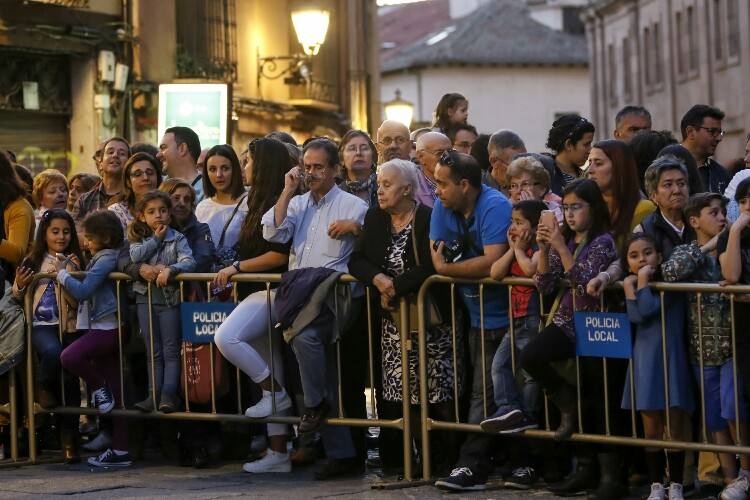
548	219
26	263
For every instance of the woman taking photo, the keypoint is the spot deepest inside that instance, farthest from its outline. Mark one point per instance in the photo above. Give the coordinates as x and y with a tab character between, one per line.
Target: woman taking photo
570	139
141	174
358	155
243	337
393	255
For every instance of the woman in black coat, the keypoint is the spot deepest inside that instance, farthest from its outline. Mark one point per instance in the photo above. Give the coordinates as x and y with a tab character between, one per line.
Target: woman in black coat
393	255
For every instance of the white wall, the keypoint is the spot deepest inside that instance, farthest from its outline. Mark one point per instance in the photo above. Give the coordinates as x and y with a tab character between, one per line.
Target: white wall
522	99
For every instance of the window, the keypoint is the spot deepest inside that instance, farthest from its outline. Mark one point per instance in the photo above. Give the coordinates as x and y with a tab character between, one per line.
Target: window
733	27
647	55
691	31
612	77
658	67
679	45
207	39
718	32
627	83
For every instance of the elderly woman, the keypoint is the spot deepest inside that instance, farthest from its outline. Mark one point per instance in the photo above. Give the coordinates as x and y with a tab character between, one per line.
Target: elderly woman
393	255
358	156
666	182
529	180
142	173
50	190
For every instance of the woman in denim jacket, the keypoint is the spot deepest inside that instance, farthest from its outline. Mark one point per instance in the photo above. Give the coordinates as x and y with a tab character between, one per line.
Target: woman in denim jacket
94	356
153	242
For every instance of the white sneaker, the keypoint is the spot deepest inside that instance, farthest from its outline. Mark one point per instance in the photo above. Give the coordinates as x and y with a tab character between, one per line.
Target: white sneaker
264	408
101	442
657	492
675	491
736	490
272	462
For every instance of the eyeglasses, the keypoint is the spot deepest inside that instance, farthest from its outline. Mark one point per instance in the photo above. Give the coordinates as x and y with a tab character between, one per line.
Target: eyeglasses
523	186
714	131
149	173
573	207
362	148
464	144
387	141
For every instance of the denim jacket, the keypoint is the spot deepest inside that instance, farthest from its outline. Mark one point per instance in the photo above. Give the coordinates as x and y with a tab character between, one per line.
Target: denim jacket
174	252
95	287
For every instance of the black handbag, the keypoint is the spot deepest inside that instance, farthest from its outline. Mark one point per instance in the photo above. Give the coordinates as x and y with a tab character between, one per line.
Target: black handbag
226	255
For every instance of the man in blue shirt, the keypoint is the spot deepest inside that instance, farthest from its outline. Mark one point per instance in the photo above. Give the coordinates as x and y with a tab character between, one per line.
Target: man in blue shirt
322	225
472	220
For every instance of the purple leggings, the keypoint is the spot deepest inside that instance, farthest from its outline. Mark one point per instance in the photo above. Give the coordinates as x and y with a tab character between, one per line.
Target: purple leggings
93	357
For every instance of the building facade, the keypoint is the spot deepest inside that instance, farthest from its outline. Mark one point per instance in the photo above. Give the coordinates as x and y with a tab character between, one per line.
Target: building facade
668	55
520	64
93	68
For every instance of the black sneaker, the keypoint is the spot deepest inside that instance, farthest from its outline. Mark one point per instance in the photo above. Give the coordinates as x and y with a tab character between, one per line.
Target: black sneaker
111	458
498	423
103	399
462	479
524	424
522	478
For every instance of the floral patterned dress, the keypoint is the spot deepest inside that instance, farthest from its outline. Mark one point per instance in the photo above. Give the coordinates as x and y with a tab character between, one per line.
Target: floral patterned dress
440	374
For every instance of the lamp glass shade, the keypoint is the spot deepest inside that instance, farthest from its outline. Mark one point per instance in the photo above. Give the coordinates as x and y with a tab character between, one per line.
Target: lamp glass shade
311	26
399	110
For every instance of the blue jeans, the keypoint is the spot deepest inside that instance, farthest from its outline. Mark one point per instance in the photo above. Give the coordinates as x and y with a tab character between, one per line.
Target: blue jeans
504	386
48	348
167	339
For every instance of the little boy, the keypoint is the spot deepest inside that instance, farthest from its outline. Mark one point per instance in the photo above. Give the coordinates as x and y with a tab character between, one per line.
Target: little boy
710	321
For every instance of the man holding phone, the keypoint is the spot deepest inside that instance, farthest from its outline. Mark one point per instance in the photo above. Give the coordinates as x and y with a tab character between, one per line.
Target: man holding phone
468	233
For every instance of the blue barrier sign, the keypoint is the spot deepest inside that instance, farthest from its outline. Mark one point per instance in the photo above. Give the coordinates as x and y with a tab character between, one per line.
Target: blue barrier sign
603	335
200	320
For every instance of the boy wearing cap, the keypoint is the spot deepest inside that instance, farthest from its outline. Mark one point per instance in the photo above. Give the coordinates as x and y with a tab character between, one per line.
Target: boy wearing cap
710	332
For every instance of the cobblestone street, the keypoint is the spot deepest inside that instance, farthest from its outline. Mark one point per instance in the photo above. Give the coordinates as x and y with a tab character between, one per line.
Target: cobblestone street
154	480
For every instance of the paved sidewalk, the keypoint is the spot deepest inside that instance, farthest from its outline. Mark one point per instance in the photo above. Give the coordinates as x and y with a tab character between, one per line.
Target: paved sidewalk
156	480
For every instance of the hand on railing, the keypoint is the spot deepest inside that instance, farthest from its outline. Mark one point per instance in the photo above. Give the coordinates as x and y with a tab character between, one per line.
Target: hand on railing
223	276
149	272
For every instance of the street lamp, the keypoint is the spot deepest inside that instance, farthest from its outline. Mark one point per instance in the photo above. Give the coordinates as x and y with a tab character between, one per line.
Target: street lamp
399	110
311	26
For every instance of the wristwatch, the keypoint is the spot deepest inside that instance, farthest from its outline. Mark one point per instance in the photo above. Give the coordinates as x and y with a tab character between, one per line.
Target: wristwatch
236	265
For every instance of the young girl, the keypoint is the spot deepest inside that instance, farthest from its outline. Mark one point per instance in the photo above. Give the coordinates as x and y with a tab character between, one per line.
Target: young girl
643	259
578	252
94	356
517	413
153	242
50	306
452	109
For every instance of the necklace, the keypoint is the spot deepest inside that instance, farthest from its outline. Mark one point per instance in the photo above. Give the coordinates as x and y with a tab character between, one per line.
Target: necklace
400	227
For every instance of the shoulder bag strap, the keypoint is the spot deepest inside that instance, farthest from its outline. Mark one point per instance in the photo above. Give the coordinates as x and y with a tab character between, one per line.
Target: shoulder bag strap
226	226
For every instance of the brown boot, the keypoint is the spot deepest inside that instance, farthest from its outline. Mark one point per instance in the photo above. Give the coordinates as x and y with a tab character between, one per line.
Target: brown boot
70	448
46	399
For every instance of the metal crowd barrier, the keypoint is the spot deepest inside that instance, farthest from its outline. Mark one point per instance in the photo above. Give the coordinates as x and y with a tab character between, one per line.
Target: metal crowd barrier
122	410
430	424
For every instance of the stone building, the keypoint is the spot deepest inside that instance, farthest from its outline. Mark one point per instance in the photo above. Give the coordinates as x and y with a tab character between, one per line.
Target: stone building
520	63
668	55
93	67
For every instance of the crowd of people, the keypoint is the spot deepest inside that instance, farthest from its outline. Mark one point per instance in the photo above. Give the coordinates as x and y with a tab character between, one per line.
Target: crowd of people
393	210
